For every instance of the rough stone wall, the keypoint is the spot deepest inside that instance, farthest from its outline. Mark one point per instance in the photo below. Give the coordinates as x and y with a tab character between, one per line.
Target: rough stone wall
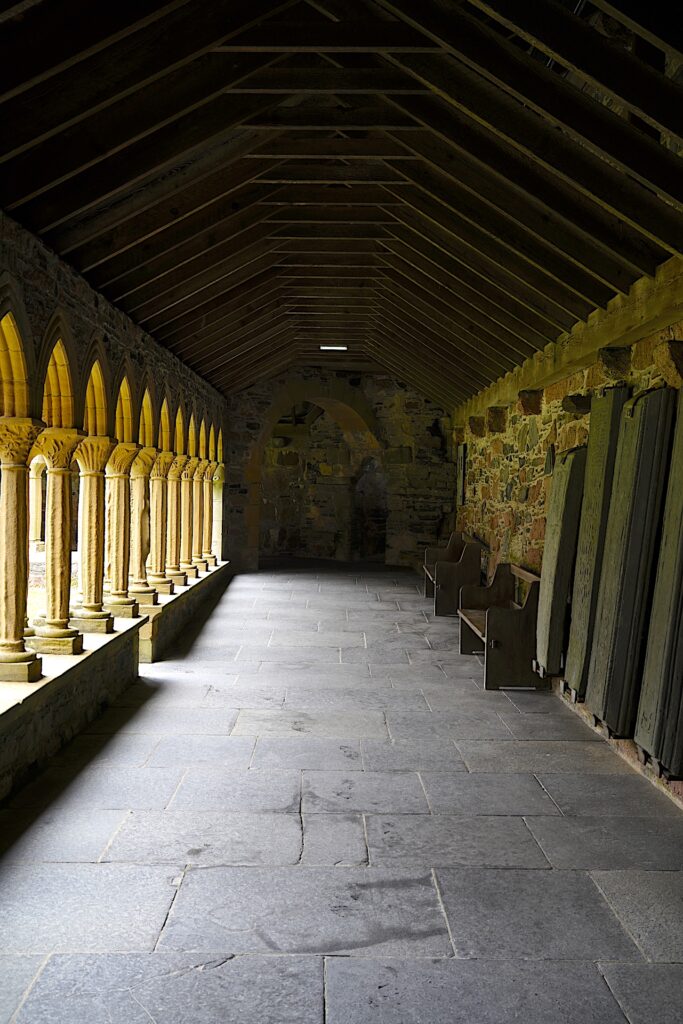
507	449
308	489
378	416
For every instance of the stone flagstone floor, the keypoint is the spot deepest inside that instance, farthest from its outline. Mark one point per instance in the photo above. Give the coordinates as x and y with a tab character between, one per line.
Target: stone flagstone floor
312	812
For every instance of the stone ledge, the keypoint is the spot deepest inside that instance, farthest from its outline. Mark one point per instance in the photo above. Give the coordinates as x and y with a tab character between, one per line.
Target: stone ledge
166	620
36	719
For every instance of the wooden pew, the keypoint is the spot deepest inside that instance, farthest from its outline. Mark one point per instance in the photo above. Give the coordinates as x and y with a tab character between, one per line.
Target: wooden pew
494	623
448	553
448	569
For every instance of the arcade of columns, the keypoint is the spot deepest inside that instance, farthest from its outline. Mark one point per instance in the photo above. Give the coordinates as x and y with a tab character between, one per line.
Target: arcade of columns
145	505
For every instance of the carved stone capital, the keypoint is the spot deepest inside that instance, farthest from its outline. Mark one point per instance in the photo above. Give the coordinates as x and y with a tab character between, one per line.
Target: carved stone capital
93	453
142	465
219	475
162	465
200	469
121	459
189	468
177	466
56	445
210	470
17	437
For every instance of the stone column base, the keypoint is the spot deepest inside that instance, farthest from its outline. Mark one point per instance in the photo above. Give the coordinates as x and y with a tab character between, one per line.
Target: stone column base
178	576
56	644
200	564
212	561
123	611
21	671
163	586
86	624
191	571
144	596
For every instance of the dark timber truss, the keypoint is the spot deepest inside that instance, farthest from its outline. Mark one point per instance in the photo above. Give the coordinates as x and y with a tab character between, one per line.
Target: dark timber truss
444	187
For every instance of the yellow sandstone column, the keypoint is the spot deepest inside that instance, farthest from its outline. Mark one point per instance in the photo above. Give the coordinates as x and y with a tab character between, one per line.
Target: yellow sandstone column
91	456
139	586
173	570
198	516
158	511
35	505
209	473
186	511
16	440
53	634
118	600
217	512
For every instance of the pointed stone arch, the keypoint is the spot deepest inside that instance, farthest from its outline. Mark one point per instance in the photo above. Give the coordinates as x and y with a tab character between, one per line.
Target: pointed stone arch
179	446
146	431
95	410
58	401
165	435
14	392
192	436
124	412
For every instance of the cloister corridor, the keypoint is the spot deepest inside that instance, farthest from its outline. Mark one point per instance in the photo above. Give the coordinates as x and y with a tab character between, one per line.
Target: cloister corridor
312	812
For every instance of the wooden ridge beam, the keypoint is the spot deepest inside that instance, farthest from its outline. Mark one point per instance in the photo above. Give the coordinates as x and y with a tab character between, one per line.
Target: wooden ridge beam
315	117
577	46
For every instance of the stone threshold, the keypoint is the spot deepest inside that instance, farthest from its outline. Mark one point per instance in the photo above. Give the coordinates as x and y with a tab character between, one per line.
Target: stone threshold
166	620
36	719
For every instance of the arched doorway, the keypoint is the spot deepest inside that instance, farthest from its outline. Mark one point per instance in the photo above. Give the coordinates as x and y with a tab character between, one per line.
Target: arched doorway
292	485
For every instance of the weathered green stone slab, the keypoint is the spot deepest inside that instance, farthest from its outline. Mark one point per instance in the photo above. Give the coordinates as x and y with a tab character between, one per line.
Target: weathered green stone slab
597	489
561	531
659	728
627	580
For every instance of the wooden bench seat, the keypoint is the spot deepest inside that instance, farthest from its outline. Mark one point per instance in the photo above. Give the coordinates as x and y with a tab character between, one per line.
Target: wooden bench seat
449	568
494	623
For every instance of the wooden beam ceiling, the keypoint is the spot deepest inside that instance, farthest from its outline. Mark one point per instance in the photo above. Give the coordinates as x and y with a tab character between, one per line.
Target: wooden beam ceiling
443	188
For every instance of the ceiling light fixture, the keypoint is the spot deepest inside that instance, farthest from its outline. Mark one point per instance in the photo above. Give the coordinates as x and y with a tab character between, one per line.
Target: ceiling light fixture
334	348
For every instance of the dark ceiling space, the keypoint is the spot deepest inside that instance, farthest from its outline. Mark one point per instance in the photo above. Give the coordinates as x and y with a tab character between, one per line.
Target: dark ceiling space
444	188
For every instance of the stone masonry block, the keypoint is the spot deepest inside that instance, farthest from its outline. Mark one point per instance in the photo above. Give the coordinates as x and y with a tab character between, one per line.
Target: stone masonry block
496	419
477	425
668	359
530	402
